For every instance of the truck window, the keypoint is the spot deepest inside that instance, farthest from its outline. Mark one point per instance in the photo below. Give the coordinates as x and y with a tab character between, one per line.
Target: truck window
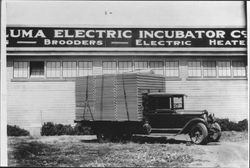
178	102
160	103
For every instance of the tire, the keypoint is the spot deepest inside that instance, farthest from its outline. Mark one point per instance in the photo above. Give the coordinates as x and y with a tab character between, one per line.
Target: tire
216	129
100	137
126	137
104	137
198	134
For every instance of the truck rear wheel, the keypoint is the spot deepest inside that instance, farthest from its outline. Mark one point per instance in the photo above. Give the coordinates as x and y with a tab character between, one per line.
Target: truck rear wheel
104	137
198	134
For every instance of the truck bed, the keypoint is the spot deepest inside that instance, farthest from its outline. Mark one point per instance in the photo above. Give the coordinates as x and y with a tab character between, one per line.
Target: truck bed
114	97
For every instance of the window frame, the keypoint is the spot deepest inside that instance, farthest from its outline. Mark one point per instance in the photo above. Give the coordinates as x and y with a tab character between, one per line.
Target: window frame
173	102
230	68
131	69
115	68
71	72
139	70
201	70
165	68
216	69
245	69
83	61
162	68
44	68
27	69
60	76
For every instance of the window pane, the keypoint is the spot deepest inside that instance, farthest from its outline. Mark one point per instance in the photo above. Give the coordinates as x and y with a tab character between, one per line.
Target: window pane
156	66
194	69
141	65
125	66
224	68
177	102
109	67
85	68
239	68
172	68
20	69
69	69
53	69
209	68
36	69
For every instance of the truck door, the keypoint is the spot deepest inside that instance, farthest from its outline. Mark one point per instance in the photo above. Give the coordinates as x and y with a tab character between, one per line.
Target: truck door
160	113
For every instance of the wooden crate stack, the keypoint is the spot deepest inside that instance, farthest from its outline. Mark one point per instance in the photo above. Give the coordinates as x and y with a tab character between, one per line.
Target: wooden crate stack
114	97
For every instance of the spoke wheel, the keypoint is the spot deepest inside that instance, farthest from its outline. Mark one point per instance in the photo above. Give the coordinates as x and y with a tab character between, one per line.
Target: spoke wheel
103	137
100	137
198	134
216	132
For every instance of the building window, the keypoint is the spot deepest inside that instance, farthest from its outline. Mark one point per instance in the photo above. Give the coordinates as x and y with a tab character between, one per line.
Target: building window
157	67
20	69
85	68
209	68
239	69
53	69
69	69
224	68
109	67
194	69
141	65
125	66
172	68
36	69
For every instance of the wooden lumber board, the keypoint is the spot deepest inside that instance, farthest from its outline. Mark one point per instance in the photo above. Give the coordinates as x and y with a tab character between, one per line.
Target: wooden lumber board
82	84
105	105
126	100
106	95
79	114
148	83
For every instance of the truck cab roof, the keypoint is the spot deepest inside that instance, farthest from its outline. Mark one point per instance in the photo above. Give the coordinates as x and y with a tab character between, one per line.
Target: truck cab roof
163	94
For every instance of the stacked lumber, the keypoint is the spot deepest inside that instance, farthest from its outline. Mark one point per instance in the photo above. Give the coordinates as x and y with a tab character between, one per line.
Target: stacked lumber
115	97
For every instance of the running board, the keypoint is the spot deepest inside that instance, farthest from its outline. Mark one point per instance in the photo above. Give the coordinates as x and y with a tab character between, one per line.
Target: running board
164	130
156	135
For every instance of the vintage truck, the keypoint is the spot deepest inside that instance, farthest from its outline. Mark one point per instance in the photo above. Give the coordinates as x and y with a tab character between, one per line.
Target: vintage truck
118	106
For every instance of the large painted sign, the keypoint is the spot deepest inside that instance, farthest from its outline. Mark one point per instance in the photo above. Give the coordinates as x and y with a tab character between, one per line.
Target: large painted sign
125	37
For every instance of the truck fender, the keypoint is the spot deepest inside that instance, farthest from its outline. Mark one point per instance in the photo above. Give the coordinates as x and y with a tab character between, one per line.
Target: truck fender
189	125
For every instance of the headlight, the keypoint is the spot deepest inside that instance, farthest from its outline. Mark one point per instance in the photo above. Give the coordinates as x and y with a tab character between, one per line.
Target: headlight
205	117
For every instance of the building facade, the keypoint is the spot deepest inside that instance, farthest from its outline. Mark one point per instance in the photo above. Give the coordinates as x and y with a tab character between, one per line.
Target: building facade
205	59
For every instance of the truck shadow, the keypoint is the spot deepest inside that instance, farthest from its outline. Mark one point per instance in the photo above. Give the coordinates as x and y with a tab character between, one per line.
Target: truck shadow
144	139
162	140
153	140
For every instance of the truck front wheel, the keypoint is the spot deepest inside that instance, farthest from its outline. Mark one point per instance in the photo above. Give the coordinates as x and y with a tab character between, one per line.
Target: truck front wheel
198	134
216	132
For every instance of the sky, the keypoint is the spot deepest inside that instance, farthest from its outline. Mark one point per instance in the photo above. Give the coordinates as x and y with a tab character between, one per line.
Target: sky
165	14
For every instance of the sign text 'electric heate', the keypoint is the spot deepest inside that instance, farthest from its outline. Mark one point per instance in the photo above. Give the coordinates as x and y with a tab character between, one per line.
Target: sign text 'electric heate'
124	37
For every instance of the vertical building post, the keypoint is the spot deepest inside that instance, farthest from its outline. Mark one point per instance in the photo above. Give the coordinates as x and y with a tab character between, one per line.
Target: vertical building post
3	118
245	12
247	8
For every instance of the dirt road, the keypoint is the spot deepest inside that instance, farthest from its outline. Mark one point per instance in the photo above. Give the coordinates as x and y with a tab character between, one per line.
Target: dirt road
230	152
223	154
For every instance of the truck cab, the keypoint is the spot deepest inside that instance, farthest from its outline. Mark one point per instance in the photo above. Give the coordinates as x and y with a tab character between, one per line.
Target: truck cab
165	113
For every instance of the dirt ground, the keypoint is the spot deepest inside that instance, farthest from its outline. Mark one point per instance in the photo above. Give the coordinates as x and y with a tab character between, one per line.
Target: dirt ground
84	151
